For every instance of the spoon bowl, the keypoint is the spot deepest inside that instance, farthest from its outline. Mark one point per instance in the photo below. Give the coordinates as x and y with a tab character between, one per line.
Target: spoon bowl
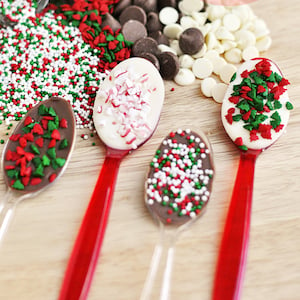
255	112
36	154
126	113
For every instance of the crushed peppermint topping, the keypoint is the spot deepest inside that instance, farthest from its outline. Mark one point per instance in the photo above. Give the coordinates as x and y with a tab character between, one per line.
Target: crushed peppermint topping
127	102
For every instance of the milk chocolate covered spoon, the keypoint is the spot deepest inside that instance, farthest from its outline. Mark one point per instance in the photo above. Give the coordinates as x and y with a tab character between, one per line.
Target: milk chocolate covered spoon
178	188
36	154
126	113
255	113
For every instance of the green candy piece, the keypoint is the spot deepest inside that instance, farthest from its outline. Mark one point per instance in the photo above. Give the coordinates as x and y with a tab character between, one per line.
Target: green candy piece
45	160
34	149
60	161
18	185
43	110
12	173
39	171
64	144
51	152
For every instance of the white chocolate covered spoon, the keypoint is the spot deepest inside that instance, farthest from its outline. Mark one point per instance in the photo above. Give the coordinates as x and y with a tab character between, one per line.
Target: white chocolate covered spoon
255	112
126	113
36	154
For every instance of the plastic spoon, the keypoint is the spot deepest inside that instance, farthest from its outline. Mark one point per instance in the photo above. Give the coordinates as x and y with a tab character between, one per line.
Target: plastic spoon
126	113
28	162
178	188
255	112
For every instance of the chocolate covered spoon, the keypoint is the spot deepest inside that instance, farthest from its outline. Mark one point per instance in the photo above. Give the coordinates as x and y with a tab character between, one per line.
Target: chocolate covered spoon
126	113
178	188
36	154
255	112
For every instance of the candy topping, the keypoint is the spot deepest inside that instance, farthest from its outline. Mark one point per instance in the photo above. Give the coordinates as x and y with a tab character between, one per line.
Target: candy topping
257	100
180	177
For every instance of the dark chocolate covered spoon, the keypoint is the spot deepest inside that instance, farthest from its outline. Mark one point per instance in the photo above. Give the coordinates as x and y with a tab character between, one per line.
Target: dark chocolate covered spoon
178	188
36	154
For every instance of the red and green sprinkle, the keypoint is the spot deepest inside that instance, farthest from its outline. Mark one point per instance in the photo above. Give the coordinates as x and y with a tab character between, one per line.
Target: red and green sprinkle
257	102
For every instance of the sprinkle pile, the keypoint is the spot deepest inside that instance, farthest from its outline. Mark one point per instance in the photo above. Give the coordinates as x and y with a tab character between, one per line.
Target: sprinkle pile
40	58
180	177
38	150
257	102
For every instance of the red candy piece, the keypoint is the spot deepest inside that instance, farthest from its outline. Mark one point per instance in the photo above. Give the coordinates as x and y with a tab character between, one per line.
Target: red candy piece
40	142
52	177
22	142
28	136
52	143
55	134
37	128
28	120
35	181
63	123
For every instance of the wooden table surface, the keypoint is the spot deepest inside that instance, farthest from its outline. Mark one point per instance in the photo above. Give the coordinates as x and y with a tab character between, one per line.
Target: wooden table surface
35	251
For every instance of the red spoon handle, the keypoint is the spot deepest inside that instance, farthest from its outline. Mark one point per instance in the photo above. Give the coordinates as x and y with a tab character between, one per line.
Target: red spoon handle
234	245
86	250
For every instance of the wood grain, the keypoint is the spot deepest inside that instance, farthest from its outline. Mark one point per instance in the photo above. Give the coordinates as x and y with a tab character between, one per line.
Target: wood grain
34	254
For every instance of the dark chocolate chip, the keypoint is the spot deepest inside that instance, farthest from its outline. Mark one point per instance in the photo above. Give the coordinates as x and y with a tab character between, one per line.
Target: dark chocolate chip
191	41
152	58
163	3
111	22
122	4
146	5
133	12
160	38
134	30
153	23
169	65
146	44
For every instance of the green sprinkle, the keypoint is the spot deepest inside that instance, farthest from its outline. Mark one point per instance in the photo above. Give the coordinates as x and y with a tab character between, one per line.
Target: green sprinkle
51	152
60	161
18	185
64	144
43	110
289	106
34	149
52	125
37	161
39	171
12	173
45	160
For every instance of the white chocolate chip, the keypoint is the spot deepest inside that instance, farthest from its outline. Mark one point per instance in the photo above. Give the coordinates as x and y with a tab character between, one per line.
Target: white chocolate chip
216	12
184	77
245	38
218	92
233	55
264	43
175	46
250	52
165	48
211	40
186	61
227	45
260	28
168	15
226	72
232	22
172	31
222	33
188	22
215	25
244	12
218	63
202	68
207	85
211	54
190	6
200	17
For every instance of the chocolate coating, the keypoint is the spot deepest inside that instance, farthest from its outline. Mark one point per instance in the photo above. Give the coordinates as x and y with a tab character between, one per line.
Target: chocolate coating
134	30
160	38
191	41
153	23
133	12
147	44
111	22
176	193
146	5
169	65
63	110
